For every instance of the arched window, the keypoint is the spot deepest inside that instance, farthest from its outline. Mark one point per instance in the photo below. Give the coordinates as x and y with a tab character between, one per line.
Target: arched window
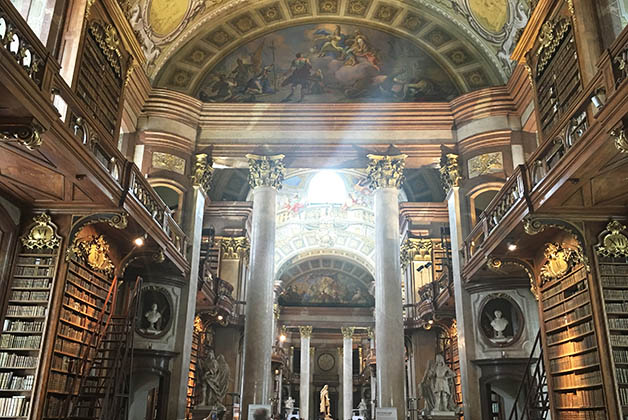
479	203
327	187
172	198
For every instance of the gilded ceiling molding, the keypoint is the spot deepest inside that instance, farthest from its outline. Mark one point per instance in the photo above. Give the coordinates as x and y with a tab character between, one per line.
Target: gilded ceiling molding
234	248
305	331
115	220
385	171
533	226
614	243
154	256
347	332
203	172
450	171
43	234
266	171
496	264
28	135
621	141
415	249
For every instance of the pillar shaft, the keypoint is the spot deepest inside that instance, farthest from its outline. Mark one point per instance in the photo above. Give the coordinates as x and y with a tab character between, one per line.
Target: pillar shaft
347	372
304	384
266	174
386	175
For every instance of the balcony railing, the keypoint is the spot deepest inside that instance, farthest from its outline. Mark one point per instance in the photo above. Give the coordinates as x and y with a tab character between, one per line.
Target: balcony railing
120	175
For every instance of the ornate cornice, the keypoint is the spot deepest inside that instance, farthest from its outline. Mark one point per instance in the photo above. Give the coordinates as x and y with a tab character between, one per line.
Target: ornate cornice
385	171
347	332
412	248
614	243
203	171
43	234
305	331
496	264
620	140
450	171
266	171
234	248
28	135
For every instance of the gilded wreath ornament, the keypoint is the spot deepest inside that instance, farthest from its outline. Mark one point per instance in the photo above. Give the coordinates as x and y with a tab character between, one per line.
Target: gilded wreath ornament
42	234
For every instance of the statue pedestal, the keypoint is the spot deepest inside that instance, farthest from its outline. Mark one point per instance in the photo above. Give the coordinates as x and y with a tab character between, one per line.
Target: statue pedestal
439	415
204	412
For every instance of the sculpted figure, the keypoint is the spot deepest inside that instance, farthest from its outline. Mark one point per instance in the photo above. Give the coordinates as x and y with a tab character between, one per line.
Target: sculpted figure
289	404
324	407
437	386
214	378
154	319
499	325
362	408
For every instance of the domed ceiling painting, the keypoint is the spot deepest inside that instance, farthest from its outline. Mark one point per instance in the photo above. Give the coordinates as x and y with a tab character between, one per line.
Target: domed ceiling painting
326	288
327	63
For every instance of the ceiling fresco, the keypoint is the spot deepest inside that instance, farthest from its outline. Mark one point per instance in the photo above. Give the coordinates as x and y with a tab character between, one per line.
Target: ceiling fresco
185	41
323	63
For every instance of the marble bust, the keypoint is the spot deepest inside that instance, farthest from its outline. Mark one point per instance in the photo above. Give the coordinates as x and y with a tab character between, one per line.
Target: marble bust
362	409
289	404
499	325
154	319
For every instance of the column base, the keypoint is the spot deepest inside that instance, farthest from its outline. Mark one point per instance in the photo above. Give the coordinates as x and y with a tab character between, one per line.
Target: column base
439	415
206	413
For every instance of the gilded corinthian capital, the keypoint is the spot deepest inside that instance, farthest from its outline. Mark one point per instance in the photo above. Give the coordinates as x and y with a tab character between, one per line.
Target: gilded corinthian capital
347	332
450	172
266	171
306	331
203	171
385	171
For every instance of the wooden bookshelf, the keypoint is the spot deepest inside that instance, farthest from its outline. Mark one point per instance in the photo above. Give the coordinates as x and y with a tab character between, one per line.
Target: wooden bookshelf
196	339
26	316
571	347
84	297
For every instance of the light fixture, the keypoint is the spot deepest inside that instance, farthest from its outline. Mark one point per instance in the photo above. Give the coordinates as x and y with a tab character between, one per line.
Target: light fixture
220	318
139	241
282	338
511	246
431	321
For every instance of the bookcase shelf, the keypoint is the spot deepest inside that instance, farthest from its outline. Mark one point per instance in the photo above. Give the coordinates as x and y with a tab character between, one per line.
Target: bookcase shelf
24	322
570	337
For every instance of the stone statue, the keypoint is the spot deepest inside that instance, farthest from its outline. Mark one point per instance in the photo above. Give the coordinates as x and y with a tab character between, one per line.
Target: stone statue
289	404
324	407
437	387
214	379
362	408
499	325
154	319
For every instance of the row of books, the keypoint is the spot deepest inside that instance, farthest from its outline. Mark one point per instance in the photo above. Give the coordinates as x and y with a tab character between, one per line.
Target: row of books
64	363
565	283
10	381
33	271
582	415
580	398
622	375
81	294
571	362
578	313
79	306
623	396
616	307
609	269
568	305
84	274
10	341
618	323
615	294
17	310
77	281
577	379
70	316
20	325
620	356
69	347
32	283
570	332
54	407
35	260
68	331
619	340
571	285
63	383
28	295
17	360
17	406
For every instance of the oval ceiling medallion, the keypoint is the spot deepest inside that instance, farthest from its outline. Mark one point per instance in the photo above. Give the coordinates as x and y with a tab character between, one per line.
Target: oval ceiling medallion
165	16
491	15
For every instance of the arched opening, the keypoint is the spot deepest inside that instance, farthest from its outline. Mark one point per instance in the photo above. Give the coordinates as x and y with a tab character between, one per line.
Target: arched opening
479	201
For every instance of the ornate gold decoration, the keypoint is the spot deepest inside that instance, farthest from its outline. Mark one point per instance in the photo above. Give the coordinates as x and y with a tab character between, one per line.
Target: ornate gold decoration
42	234
299	7
198	324
415	249
328	6
108	41
370	332
159	256
412	22
385	171
88	8
305	331
615	243
266	171
117	220
485	164
530	78
496	264
357	7
276	310
168	162
203	171
94	252
385	13
559	261
620	139
450	172
551	36
28	135
347	332
572	10
271	13
453	330
234	248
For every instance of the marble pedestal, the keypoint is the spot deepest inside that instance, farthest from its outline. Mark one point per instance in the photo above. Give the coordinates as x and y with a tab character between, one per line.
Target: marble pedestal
439	415
203	412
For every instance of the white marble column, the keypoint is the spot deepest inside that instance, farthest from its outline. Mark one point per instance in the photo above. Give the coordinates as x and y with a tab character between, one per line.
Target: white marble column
385	174
347	372
371	334
341	402
304	385
265	176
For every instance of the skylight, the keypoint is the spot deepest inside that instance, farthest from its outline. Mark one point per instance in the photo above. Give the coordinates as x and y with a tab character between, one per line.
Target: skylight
327	187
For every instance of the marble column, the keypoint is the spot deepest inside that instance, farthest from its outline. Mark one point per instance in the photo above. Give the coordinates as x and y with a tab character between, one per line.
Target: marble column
265	176
385	174
347	372
371	334
304	384
341	402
